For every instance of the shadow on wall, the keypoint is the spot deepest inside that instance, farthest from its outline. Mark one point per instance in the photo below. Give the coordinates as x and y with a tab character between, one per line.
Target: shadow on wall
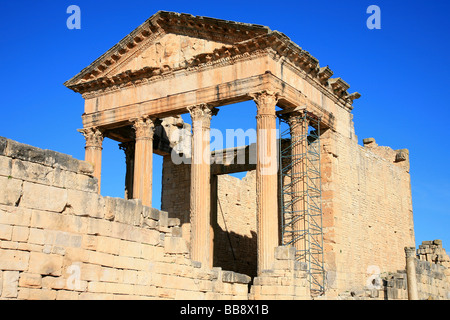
235	252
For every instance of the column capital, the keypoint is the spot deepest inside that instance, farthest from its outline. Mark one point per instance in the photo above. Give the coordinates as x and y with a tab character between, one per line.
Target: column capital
295	117
144	127
202	112
266	101
94	137
410	252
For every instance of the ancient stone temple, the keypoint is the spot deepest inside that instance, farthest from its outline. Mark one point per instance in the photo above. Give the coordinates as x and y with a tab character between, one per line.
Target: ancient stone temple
317	216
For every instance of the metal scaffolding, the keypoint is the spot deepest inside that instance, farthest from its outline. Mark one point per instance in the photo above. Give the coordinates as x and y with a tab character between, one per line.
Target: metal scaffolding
301	193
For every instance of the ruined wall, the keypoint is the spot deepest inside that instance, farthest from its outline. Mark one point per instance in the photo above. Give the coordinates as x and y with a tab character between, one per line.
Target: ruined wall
367	210
366	204
175	193
59	239
233	215
235	232
287	280
432	266
433	271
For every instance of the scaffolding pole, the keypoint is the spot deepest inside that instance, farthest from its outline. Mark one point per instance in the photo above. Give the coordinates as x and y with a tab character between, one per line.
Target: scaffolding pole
301	194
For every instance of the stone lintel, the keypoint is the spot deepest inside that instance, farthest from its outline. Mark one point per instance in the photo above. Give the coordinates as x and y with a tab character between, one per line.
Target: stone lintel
221	95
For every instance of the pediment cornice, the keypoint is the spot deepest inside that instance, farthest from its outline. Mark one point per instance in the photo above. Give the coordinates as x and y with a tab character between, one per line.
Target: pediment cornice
276	44
161	23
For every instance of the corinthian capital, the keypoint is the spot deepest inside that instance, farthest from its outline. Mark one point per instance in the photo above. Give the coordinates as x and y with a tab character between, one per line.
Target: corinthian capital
202	113
295	118
265	101
144	127
410	252
94	137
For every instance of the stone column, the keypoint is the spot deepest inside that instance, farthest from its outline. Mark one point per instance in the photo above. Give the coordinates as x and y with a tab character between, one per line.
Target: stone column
266	179
143	160
200	205
93	150
411	273
128	148
299	132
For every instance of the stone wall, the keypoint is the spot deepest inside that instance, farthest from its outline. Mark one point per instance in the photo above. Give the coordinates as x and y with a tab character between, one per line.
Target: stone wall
287	279
59	239
367	210
432	283
366	204
233	214
433	271
432	266
235	231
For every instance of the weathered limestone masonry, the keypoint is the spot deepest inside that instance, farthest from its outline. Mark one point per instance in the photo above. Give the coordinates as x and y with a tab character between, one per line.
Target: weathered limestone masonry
285	280
430	266
367	209
233	217
59	239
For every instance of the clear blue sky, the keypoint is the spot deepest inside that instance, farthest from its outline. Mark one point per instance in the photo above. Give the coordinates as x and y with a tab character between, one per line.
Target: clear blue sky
401	72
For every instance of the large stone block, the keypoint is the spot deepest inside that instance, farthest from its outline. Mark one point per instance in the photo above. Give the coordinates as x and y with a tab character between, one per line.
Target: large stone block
60	222
42	197
11	190
30	171
25	152
61	160
14	260
15	216
5	166
82	203
130	249
37	294
175	245
108	245
45	264
29	280
125	211
10	284
3	144
5	232
86	168
20	233
234	277
72	180
284	253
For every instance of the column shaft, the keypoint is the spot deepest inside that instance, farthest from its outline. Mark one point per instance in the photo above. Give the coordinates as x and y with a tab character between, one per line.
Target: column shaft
143	160
128	148
411	278
266	179
299	132
201	186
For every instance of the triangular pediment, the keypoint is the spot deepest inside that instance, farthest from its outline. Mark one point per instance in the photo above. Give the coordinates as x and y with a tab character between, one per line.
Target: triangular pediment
167	39
170	41
169	51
